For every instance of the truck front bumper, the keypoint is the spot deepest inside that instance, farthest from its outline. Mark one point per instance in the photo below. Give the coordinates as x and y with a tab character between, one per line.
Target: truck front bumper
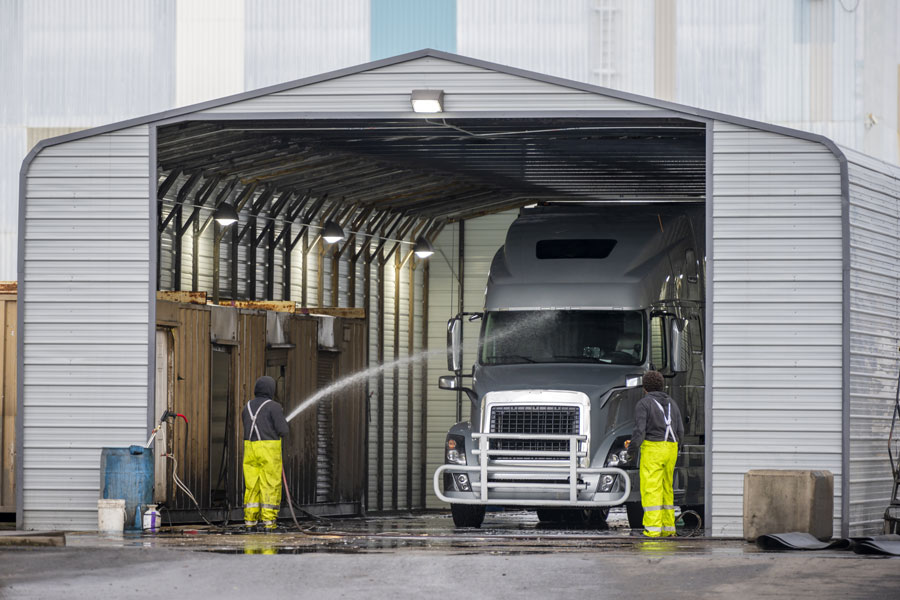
563	484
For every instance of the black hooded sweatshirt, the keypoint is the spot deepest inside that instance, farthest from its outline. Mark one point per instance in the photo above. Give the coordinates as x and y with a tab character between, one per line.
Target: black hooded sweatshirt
270	422
650	423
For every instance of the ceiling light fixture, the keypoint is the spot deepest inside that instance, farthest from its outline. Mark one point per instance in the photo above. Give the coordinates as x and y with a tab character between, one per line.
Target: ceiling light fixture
332	232
427	101
423	248
225	215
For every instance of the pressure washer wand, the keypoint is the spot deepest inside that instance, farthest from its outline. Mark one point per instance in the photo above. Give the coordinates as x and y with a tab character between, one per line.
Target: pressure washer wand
167	414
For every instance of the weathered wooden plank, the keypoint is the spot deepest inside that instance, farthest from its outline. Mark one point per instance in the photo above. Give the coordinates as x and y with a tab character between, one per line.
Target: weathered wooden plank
183	297
344	313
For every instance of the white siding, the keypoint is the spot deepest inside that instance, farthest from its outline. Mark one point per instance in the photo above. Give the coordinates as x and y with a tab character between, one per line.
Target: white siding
874	334
387	89
287	40
483	237
86	313
777	319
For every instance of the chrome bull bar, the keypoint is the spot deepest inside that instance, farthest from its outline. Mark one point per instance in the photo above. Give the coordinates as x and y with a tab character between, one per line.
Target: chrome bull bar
564	470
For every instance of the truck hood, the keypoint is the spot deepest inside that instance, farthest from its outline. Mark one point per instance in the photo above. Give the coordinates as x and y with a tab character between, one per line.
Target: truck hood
592	379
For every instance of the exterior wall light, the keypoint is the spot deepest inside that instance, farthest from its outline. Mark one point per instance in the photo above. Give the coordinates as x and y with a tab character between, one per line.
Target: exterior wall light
225	215
423	248
427	101
332	232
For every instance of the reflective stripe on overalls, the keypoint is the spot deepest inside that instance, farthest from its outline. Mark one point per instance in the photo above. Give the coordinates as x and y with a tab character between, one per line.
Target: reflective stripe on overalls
656	471
262	474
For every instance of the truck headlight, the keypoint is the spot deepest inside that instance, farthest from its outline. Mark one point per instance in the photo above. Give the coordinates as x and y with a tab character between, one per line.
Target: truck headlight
455	451
606	482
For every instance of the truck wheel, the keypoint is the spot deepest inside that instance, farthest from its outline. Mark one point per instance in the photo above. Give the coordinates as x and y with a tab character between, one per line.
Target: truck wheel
467	515
551	515
635	515
595	517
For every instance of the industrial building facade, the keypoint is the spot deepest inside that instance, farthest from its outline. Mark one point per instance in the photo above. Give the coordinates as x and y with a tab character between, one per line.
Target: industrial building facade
802	323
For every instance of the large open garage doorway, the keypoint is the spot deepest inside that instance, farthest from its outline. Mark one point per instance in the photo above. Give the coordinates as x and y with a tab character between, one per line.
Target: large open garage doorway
386	184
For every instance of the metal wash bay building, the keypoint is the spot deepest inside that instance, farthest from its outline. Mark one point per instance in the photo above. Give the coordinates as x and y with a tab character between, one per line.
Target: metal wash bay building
803	239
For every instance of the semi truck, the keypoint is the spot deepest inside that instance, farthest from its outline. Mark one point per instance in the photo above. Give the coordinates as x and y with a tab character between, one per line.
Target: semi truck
581	301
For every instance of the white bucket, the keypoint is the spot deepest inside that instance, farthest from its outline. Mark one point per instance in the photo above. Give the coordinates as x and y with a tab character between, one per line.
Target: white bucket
110	516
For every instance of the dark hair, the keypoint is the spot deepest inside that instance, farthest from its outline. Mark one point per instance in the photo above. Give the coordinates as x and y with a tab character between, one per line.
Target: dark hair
653	381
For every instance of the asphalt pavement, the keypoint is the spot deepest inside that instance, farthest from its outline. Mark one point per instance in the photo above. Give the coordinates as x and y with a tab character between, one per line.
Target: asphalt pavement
424	556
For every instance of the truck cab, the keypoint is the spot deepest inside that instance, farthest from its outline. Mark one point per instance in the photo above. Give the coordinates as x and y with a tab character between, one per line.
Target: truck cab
580	302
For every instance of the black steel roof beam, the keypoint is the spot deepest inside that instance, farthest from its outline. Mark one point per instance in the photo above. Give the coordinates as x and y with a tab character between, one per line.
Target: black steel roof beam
307	219
292	212
163	188
257	206
384	236
344	171
276	209
377	221
200	199
329	215
179	200
354	227
401	233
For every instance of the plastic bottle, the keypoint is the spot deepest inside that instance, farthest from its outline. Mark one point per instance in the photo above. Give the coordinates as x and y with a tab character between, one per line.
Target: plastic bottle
151	518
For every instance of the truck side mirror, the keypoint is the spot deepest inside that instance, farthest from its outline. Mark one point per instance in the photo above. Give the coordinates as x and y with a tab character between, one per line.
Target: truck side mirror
677	350
448	382
454	344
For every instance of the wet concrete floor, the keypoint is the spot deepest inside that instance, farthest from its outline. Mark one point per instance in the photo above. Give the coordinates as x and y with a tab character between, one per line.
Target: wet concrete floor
424	555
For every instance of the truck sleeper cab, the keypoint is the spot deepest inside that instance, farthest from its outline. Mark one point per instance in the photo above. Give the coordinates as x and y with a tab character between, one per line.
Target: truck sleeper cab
580	302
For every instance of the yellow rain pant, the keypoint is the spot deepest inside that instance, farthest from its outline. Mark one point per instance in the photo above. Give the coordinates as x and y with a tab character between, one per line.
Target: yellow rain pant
657	498
262	481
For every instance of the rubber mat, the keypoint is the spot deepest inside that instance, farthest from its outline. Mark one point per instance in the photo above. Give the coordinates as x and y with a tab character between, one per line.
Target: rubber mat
877	544
798	540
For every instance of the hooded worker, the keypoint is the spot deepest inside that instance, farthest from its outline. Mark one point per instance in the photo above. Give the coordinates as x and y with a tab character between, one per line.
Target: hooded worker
658	435
264	426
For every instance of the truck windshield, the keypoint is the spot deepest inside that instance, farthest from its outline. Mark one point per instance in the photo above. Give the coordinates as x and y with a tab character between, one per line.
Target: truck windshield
563	336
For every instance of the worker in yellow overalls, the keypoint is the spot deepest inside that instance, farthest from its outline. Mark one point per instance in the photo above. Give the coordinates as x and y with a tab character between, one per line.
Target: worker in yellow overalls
264	427
658	435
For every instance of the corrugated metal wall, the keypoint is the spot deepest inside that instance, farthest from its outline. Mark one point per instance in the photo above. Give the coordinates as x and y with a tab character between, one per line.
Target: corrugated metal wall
286	40
482	238
85	293
874	334
777	320
386	89
83	63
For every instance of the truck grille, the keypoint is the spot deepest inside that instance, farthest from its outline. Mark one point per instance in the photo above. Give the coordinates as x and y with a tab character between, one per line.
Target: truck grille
563	420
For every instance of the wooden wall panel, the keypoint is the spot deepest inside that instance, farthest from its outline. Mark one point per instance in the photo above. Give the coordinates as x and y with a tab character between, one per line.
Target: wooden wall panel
8	339
190	444
349	414
300	450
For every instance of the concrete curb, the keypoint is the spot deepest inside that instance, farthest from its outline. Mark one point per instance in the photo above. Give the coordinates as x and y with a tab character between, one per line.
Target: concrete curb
51	539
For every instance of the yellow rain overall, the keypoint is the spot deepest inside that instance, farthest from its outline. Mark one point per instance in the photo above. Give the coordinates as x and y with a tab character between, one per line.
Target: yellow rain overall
262	476
657	471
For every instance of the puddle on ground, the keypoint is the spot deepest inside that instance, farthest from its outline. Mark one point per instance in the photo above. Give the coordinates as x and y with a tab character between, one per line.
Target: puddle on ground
504	533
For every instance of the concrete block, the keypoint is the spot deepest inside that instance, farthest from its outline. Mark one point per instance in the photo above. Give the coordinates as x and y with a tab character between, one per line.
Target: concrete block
778	501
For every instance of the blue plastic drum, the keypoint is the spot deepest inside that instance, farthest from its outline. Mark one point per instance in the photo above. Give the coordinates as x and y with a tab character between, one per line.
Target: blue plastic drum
127	473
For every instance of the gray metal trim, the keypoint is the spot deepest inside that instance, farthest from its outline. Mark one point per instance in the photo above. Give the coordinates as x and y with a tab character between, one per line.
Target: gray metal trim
845	342
521	114
708	338
681	109
151	315
20	348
